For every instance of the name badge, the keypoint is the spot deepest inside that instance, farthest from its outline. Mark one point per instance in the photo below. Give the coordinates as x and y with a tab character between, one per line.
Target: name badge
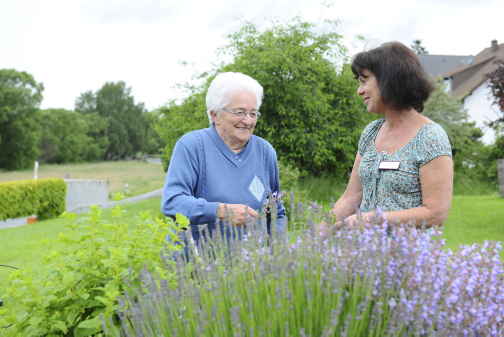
389	165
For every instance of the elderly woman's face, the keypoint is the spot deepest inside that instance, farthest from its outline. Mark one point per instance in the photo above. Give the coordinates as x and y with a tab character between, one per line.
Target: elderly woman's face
370	91
236	131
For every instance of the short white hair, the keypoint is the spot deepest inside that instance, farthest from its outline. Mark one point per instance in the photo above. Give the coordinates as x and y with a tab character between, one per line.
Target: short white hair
225	85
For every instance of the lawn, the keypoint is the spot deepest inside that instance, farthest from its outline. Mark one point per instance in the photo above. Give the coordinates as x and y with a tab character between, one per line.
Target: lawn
474	219
141	177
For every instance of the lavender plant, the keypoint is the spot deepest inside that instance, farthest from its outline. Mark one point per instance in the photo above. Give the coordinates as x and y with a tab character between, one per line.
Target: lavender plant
84	271
370	282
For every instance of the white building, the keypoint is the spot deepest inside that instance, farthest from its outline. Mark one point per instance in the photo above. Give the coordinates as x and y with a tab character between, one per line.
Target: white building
465	76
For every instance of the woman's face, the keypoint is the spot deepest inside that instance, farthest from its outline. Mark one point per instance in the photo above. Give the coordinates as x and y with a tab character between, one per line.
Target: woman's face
370	91
236	131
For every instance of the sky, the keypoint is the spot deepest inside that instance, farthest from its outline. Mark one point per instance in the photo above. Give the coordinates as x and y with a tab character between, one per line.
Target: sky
79	45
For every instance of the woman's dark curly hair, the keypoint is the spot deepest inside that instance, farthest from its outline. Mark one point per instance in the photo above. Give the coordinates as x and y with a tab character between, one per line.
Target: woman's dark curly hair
400	76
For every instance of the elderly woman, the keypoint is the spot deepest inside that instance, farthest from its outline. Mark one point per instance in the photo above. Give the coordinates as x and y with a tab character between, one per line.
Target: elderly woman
403	164
224	172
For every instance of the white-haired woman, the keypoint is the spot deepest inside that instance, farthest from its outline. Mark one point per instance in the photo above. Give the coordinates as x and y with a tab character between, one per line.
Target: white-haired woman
223	170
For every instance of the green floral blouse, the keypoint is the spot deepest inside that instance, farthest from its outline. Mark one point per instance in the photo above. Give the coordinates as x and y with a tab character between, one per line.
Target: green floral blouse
395	190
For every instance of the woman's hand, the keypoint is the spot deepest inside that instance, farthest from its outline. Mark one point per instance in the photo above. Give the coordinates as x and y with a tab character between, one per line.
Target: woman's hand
237	214
350	222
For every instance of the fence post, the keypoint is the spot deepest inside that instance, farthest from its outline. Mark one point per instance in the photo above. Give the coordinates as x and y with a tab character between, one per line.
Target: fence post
500	173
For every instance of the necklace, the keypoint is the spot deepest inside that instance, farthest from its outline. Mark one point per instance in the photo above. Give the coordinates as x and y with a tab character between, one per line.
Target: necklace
384	152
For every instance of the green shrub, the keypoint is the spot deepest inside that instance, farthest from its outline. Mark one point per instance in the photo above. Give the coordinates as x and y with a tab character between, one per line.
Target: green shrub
43	197
85	271
289	176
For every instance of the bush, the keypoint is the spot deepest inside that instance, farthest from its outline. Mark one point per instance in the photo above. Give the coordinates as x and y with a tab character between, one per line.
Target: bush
353	284
310	112
85	271
43	197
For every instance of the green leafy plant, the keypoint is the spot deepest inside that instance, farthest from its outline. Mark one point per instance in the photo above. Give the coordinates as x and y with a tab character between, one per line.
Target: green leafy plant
86	269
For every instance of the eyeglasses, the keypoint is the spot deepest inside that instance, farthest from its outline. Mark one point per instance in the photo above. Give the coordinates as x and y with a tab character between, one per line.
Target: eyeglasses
243	113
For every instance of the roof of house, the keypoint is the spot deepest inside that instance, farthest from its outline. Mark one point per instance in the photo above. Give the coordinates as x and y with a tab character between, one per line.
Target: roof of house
469	76
438	64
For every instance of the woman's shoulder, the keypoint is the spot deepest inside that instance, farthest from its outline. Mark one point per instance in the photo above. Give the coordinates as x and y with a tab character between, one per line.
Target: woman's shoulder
192	136
433	130
369	134
373	127
192	141
258	141
432	142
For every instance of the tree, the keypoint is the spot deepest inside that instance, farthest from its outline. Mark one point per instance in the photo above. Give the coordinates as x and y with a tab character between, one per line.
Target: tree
417	47
20	97
65	139
496	85
116	122
473	161
311	113
449	112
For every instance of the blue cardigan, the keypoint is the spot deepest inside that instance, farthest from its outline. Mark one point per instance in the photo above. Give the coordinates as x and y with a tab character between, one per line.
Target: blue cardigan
204	172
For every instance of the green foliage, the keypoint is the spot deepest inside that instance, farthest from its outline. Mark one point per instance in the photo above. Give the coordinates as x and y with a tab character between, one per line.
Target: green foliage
64	138
310	113
20	97
289	176
115	121
85	271
43	197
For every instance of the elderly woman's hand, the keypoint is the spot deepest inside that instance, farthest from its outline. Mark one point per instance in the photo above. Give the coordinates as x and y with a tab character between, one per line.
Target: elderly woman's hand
236	213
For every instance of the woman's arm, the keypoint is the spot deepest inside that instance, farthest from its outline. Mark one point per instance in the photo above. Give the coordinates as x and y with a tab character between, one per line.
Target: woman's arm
436	180
349	201
181	182
352	198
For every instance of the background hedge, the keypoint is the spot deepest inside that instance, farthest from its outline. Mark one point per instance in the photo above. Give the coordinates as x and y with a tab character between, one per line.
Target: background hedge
43	197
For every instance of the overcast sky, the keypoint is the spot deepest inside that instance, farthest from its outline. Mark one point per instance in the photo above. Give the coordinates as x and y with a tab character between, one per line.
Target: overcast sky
73	46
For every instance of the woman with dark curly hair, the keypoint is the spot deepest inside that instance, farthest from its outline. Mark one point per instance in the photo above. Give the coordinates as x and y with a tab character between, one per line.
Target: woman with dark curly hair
404	161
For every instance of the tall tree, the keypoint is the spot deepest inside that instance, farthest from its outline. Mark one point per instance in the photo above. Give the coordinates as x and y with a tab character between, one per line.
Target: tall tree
20	97
65	139
417	47
119	121
311	113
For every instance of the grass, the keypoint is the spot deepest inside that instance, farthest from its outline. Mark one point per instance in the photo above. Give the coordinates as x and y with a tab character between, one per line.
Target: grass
474	219
141	177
